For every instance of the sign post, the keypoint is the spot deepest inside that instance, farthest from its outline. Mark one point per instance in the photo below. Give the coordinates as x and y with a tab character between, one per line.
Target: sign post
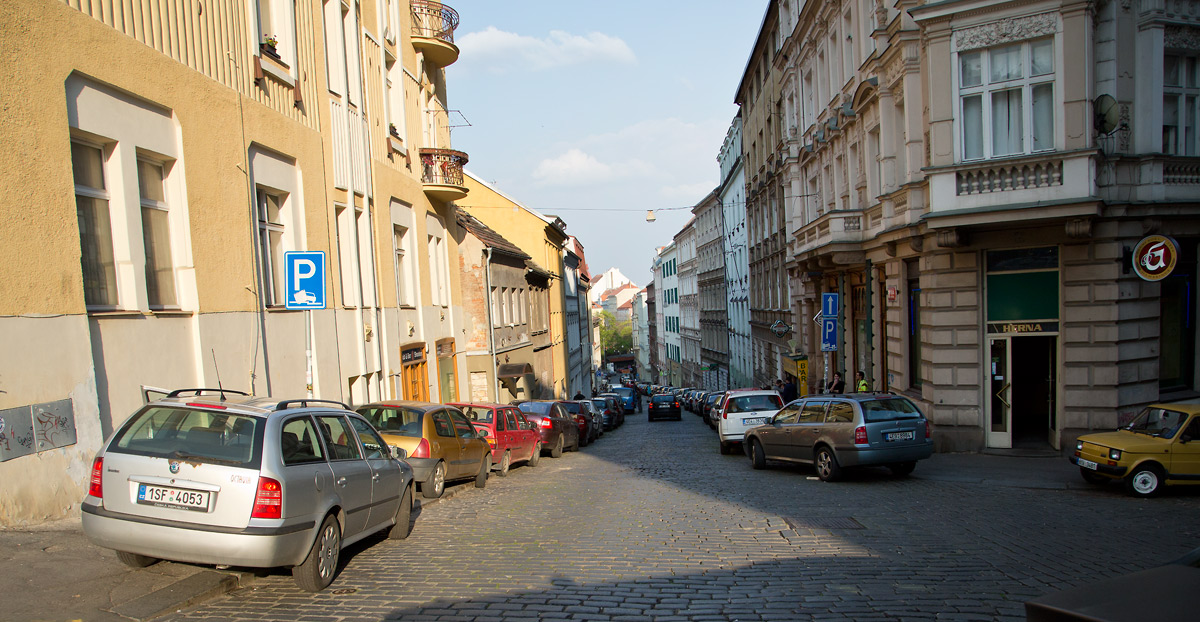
305	290
830	309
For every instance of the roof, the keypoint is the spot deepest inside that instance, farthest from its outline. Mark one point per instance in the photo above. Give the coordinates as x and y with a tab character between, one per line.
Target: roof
489	237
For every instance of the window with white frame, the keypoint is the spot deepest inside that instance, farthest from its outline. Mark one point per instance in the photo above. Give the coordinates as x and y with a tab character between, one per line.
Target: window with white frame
95	225
269	211
276	21
156	234
404	281
1006	97
1180	91
134	246
347	243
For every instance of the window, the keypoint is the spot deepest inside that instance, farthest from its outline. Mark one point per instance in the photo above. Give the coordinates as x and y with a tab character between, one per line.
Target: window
340	439
914	324
276	21
406	280
348	267
394	91
1006	96
1177	323
156	234
270	244
1180	90
95	228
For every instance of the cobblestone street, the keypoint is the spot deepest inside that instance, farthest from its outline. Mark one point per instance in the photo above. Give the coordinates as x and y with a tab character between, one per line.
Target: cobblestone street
652	523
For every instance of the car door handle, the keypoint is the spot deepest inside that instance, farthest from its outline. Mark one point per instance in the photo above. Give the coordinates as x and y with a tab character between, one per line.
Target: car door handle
341	481
374	477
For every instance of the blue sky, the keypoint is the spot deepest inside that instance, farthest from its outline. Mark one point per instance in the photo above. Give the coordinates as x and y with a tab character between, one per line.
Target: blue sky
592	106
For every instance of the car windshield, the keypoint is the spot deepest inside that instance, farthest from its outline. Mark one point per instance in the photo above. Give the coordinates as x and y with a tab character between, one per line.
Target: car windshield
537	408
625	391
573	407
889	409
752	403
394	420
477	414
1158	422
193	435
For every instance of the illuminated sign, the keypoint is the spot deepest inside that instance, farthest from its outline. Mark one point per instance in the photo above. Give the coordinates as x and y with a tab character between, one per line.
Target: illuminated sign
1154	257
1022	327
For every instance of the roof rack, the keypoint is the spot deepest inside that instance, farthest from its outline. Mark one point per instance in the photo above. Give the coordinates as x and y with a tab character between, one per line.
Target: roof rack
198	392
305	402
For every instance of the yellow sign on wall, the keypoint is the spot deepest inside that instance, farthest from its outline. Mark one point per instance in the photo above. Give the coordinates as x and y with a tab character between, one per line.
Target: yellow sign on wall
799	369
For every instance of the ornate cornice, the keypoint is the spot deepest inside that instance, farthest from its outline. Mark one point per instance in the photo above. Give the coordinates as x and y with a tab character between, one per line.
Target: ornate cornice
1006	31
1181	37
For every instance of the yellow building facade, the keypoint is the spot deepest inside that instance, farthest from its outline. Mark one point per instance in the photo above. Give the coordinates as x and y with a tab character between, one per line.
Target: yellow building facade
163	157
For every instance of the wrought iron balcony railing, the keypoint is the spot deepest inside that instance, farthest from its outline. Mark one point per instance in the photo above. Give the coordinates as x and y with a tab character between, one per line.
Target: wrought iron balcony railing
433	20
442	173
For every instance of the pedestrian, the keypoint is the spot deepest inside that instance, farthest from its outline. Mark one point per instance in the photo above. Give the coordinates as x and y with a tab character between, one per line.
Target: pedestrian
789	390
779	388
837	385
860	382
578	395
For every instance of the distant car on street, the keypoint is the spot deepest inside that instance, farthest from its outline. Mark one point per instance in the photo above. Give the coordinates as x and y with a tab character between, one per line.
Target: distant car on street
208	476
510	435
441	443
837	432
629	399
558	429
663	406
741	410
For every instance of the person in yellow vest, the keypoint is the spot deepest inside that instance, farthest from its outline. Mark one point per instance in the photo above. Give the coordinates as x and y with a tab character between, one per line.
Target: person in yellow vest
860	383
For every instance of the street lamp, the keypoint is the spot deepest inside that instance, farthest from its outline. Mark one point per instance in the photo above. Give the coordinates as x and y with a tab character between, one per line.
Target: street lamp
650	216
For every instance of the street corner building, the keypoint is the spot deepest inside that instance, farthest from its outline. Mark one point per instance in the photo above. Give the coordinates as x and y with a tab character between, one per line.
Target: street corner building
998	201
164	158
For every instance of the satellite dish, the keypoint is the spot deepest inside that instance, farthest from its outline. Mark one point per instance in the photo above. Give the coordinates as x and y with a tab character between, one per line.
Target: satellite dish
1106	114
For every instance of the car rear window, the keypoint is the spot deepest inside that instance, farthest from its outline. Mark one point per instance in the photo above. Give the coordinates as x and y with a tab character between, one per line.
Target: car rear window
752	403
625	392
537	408
393	420
573	407
601	404
662	398
889	409
477	414
193	434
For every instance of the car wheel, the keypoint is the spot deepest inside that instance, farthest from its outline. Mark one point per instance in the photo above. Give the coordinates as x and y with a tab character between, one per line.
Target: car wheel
901	469
1145	481
827	465
485	468
758	458
403	525
581	441
576	443
317	570
558	448
436	485
133	560
724	447
505	463
1092	477
536	456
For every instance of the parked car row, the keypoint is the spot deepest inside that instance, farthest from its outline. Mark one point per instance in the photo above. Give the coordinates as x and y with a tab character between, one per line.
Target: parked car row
214	476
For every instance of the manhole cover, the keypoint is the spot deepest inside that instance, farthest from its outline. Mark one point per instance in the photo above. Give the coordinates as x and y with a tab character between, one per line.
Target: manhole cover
823	522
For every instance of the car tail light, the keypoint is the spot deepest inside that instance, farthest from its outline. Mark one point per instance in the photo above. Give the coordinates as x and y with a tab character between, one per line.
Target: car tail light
96	488
860	435
422	450
268	501
927	429
725	412
579	419
545	422
676	404
200	405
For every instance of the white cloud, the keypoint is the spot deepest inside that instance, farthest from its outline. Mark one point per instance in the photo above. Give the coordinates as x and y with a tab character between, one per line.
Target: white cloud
499	50
686	193
571	168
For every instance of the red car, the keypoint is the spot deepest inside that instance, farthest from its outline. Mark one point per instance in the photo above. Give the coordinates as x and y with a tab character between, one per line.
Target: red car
512	437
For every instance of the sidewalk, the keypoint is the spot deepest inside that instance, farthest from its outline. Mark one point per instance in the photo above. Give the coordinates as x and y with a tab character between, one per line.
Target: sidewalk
52	572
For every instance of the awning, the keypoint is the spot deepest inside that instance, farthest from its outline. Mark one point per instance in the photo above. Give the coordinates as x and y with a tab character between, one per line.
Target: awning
513	370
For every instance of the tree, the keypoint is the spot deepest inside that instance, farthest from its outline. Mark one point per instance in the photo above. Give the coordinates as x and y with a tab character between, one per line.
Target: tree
616	337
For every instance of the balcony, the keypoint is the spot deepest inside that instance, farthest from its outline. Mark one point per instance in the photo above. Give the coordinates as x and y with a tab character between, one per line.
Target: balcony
442	174
433	25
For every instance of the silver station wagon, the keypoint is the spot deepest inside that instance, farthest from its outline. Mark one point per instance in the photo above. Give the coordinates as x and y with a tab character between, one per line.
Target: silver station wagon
833	432
218	477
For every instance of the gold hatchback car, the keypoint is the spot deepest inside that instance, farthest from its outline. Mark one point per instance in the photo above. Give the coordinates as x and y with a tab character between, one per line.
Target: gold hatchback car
1161	446
439	442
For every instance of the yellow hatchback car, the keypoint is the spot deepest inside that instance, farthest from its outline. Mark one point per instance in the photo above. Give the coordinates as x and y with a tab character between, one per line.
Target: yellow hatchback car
1161	446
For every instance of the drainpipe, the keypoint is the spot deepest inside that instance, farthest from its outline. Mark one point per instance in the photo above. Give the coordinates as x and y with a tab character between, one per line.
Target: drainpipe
487	278
869	372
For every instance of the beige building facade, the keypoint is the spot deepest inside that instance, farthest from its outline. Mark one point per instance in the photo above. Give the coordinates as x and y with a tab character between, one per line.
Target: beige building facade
974	180
161	164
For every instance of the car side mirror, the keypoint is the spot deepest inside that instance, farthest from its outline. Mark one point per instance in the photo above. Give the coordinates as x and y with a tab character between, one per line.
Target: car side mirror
398	453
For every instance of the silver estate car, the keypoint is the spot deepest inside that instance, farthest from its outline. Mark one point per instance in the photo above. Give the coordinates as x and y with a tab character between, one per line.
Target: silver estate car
832	432
218	477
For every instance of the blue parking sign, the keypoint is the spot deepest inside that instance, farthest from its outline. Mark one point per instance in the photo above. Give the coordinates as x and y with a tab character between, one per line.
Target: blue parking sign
829	329
305	272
